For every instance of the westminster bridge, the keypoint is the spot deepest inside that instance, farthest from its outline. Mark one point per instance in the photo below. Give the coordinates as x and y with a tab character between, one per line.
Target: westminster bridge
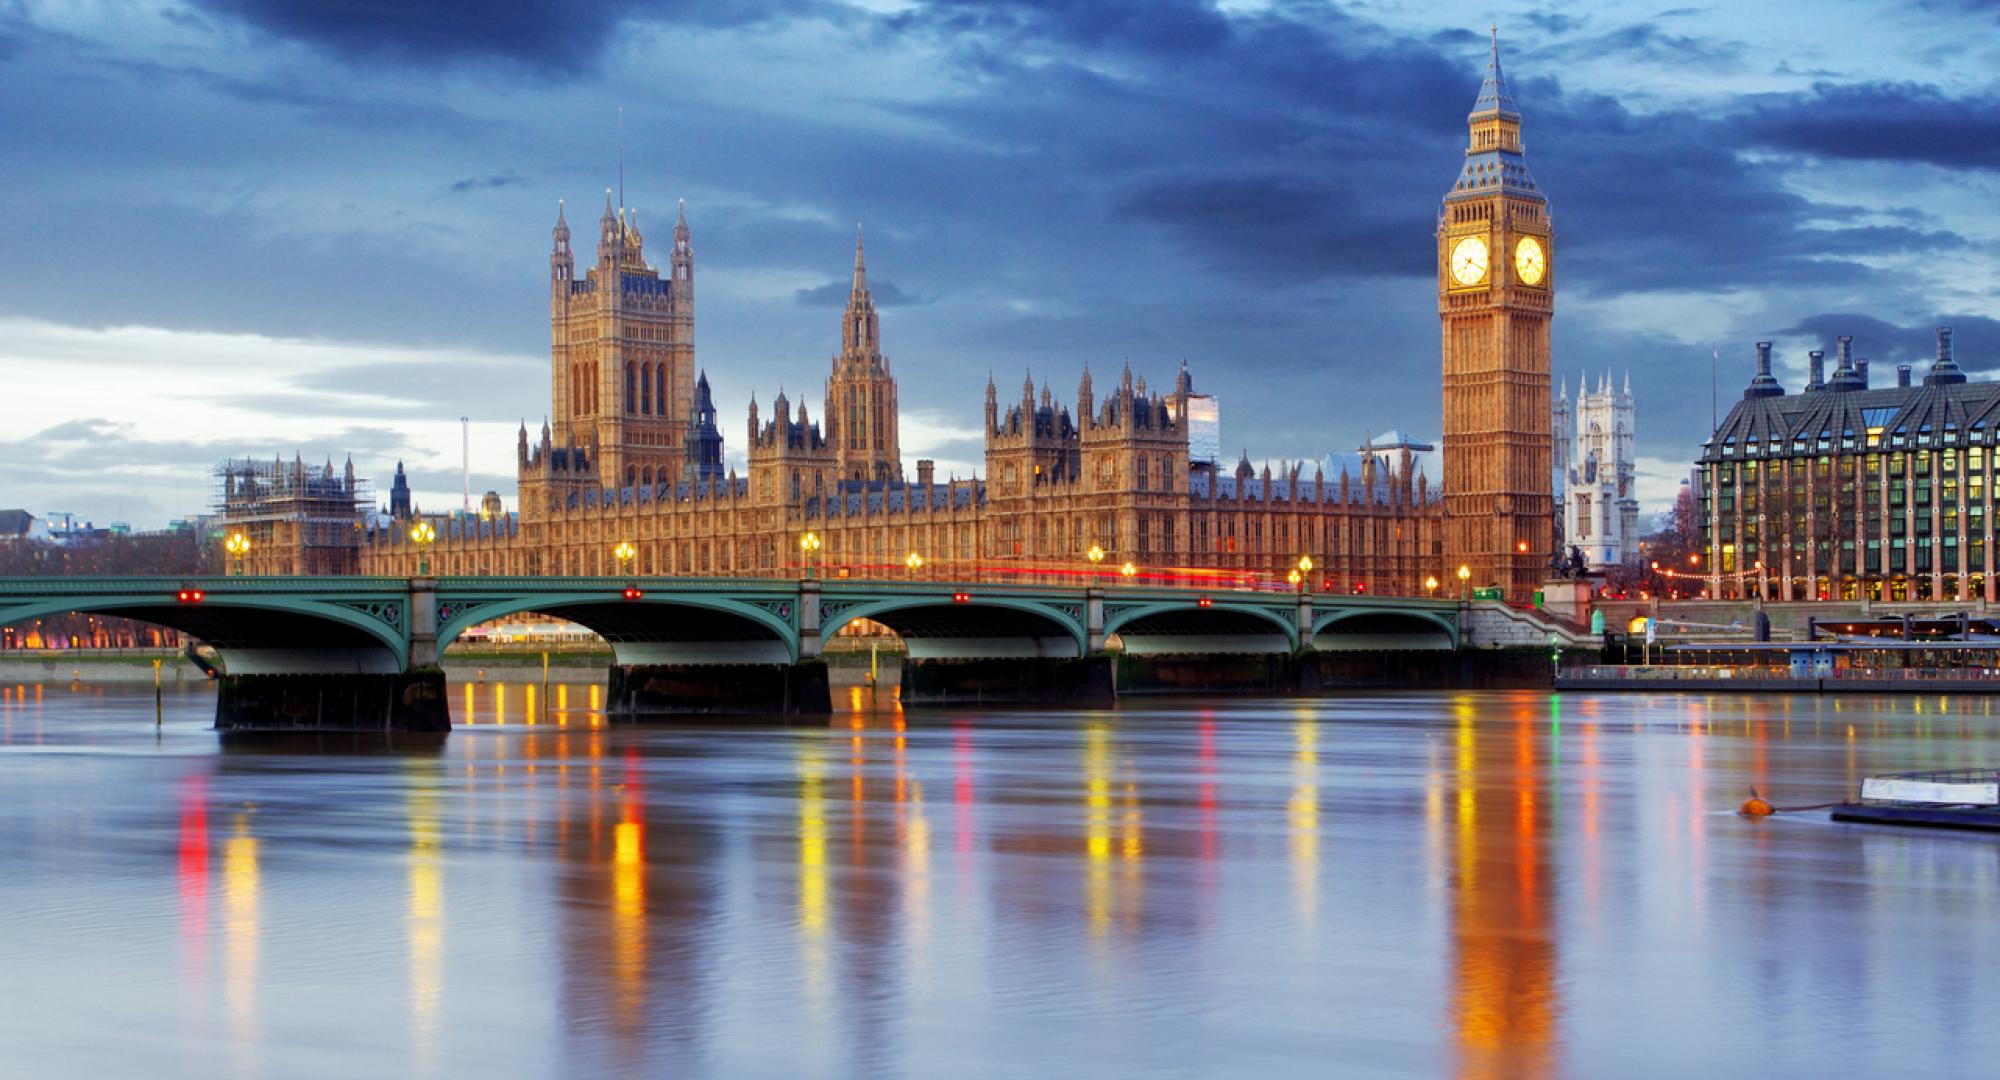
363	652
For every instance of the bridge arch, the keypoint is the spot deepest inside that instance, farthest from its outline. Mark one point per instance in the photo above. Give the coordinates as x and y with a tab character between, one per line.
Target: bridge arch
655	628
257	634
980	628
1185	626
1383	628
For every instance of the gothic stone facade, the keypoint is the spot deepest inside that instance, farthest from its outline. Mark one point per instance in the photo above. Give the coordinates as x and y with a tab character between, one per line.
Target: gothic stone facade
1596	473
629	457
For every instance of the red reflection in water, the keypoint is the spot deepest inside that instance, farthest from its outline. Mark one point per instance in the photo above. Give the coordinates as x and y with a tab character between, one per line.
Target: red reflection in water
192	875
962	787
1205	791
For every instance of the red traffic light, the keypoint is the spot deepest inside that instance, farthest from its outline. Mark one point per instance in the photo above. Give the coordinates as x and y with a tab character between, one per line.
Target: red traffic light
189	596
1204	602
633	593
961	598
1360	587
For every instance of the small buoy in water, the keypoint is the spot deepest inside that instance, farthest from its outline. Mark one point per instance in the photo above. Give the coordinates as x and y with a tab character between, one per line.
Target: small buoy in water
1754	806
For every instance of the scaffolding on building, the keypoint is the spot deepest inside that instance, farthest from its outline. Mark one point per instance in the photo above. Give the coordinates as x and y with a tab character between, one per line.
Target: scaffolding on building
297	519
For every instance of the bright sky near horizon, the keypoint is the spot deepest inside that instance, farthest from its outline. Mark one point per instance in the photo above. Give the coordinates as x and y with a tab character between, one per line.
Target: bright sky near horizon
253	228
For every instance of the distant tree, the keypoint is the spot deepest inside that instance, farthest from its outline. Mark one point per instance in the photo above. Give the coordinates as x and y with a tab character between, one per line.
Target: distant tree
144	554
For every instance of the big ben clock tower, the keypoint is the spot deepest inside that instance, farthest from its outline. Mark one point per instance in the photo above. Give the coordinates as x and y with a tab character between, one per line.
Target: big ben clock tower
1495	297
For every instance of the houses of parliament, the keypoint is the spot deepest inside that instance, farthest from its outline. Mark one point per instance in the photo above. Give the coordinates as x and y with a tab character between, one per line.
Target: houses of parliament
632	453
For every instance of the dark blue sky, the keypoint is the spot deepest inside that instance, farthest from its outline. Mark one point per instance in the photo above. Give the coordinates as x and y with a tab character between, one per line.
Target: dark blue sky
248	228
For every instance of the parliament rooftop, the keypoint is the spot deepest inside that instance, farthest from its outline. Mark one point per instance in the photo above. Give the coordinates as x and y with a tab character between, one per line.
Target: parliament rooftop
1850	491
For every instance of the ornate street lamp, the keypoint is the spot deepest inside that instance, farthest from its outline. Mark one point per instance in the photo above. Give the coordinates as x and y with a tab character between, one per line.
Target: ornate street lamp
1464	576
1129	570
808	544
1095	555
423	534
1302	577
1431	585
624	553
238	546
915	562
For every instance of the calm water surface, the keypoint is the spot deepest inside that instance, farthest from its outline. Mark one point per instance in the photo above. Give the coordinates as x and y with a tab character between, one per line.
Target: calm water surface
1479	885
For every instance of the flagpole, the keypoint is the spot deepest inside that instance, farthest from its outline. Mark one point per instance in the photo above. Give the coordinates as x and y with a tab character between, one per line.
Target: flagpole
1713	359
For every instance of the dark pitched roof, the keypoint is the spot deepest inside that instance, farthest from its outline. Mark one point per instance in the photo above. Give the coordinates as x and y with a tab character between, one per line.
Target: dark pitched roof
1970	408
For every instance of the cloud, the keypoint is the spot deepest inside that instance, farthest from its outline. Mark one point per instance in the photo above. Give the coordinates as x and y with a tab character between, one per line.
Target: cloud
556	38
1901	122
470	184
835	294
166	405
1648	43
1282	227
1975	341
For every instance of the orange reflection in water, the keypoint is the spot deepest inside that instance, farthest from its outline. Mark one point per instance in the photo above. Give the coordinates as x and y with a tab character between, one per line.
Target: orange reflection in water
628	900
424	920
241	894
1503	1007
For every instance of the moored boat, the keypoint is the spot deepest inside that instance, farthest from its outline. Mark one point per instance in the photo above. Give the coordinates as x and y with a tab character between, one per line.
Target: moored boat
1950	799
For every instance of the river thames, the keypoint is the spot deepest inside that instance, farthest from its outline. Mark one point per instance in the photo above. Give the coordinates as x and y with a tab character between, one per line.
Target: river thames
1431	884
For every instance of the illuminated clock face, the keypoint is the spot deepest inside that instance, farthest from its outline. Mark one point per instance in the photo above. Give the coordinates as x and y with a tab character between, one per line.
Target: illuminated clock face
1530	261
1468	260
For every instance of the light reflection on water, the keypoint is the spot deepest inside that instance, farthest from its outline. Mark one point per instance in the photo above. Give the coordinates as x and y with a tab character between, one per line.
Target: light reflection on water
1475	885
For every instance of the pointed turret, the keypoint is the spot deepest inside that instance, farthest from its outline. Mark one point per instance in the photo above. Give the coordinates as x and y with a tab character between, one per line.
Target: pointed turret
562	261
1493	160
860	328
609	230
860	287
1495	99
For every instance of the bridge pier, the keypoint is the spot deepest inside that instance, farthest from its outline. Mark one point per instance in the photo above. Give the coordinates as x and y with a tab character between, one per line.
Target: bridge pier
1086	680
639	691
411	701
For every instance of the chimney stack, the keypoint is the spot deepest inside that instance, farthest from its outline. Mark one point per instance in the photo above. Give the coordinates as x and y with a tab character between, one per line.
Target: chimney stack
1861	369
1946	371
926	469
1817	381
1763	385
1903	376
1843	348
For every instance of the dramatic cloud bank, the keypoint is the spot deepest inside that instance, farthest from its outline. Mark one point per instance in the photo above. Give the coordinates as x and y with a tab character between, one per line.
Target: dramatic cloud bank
252	227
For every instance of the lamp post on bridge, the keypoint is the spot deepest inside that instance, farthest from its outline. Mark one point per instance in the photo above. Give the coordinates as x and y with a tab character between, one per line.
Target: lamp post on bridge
625	553
238	546
1096	556
1431	586
1302	577
1464	576
423	534
808	544
915	562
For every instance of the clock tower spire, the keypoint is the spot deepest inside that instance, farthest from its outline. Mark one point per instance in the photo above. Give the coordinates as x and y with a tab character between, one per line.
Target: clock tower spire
1495	300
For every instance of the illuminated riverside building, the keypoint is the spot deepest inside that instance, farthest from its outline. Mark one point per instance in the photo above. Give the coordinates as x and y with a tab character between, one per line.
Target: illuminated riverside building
1847	491
632	453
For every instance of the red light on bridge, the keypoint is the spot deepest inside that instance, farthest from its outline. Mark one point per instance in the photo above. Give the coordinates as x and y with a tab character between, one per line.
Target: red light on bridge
633	593
961	598
1360	587
190	596
1204	602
